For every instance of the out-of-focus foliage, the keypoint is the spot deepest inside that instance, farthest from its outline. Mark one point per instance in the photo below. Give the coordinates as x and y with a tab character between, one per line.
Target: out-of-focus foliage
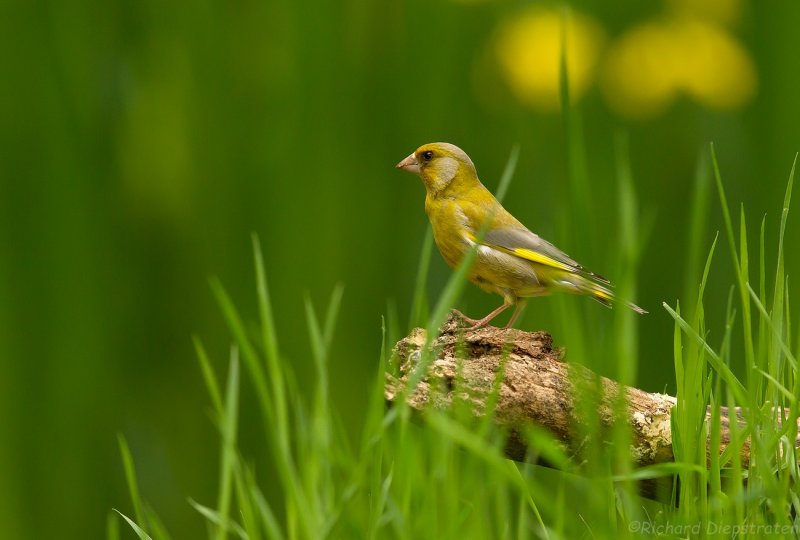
142	142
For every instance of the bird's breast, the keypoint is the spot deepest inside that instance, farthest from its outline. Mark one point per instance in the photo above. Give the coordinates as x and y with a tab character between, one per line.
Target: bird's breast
450	225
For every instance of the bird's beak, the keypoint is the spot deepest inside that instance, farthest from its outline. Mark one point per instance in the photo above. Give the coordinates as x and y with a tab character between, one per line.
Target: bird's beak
409	164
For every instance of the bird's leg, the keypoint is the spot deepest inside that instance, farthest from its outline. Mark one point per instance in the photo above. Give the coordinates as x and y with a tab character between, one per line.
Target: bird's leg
517	310
483	322
470	320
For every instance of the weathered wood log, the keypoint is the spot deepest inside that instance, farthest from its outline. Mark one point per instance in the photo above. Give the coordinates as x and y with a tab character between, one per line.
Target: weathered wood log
538	387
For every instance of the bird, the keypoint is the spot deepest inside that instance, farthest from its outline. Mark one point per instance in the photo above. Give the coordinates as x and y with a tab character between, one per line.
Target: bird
510	260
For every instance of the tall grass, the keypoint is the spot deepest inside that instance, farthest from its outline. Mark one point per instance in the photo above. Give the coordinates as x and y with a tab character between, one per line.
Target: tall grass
759	498
443	474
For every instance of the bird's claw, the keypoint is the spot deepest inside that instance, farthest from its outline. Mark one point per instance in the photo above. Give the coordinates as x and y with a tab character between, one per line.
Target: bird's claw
476	323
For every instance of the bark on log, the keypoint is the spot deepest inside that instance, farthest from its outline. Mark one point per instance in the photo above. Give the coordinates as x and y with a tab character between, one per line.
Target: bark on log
538	388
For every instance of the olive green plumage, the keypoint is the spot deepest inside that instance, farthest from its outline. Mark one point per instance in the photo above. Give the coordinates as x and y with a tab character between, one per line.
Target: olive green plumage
511	260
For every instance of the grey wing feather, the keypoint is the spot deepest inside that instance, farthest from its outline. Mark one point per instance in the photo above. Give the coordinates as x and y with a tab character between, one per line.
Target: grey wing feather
523	238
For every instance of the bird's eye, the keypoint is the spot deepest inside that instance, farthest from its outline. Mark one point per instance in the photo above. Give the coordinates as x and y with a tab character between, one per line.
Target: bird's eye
427	155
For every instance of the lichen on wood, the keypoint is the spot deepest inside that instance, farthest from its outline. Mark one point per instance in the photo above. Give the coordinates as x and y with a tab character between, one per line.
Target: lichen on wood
538	387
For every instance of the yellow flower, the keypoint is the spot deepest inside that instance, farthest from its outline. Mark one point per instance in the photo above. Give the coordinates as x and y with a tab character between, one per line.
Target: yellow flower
638	74
528	48
654	62
721	74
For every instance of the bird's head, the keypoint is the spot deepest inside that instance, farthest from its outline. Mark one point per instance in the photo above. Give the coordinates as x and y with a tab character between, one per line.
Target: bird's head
440	165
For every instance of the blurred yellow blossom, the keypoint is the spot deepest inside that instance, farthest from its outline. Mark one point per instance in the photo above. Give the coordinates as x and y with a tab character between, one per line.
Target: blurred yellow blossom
726	12
528	48
655	61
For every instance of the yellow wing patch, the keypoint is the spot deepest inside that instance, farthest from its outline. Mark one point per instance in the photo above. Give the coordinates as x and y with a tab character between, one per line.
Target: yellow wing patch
529	255
537	257
602	294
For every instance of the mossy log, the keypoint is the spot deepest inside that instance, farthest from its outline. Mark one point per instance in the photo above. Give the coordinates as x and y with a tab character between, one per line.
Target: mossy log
538	387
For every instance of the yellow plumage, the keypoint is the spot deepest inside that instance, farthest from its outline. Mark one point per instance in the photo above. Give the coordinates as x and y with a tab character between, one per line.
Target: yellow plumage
511	260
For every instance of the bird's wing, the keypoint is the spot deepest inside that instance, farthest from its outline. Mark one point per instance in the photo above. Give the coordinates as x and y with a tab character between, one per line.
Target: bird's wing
512	237
529	246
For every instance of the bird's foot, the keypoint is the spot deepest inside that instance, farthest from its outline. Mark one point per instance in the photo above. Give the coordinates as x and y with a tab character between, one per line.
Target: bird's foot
476	323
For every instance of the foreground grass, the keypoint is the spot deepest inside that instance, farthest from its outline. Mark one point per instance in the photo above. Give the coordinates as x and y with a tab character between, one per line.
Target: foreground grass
443	474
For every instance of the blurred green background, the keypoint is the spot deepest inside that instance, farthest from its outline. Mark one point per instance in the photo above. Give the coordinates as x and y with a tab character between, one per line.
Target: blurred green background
142	142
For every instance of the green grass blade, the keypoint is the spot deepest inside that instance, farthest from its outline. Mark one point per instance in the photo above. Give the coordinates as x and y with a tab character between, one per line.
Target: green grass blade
209	377
680	378
245	502
787	199
742	280
271	397
542	444
735	257
725	372
112	526
703	281
319	348
157	529
130	476
229	424
726	215
316	471
776	332
475	444
447	299
270	343
269	335
508	173
138	530
660	470
221	522
762	260
252	361
332	314
778	386
268	519
514	468
777	312
419	309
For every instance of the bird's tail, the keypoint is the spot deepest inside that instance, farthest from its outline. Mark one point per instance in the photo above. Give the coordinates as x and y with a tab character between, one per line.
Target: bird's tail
586	283
606	297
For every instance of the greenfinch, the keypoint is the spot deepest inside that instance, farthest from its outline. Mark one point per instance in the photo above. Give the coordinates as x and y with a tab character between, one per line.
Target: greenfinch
511	260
